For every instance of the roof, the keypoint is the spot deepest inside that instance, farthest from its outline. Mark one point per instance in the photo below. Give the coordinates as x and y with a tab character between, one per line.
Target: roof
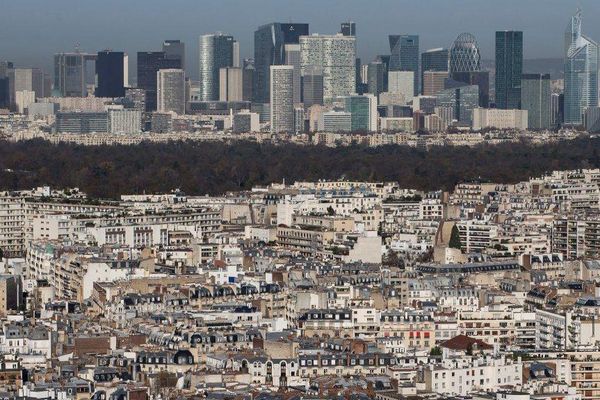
464	343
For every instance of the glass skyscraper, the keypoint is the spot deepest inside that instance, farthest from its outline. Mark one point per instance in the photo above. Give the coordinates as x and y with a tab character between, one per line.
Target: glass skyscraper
148	64
464	54
269	49
509	67
462	99
404	51
215	52
434	60
110	74
581	72
535	98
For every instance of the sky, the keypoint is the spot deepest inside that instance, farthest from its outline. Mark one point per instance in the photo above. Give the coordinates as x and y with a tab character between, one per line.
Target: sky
31	31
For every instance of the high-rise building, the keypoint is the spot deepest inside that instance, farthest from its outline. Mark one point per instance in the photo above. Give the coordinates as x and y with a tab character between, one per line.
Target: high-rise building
73	72
25	79
335	121
312	86
479	78
433	82
148	64
4	84
215	52
248	73
348	28
462	98
170	91
535	98
110	74
376	78
435	60
269	49
282	98
464	54
509	68
292	57
175	50
81	122
581	72
401	82
556	109
405	56
231	84
335	55
363	109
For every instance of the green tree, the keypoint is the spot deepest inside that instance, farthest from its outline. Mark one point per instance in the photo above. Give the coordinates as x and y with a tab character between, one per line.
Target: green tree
455	239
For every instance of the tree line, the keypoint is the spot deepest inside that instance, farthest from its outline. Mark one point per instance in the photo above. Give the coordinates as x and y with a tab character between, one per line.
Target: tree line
214	168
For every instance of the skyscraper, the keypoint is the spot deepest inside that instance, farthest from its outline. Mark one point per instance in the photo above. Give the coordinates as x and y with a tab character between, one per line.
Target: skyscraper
282	98
464	54
509	68
376	78
231	84
110	74
581	72
73	72
215	52
348	28
335	55
175	50
312	86
170	91
269	49
363	109
479	78
433	60
292	57
462	98
405	56
148	64
536	99
433	82
401	82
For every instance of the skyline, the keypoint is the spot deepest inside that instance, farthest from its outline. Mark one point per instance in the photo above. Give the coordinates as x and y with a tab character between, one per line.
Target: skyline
543	27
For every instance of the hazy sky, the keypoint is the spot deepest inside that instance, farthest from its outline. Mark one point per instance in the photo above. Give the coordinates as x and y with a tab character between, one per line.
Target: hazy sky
31	31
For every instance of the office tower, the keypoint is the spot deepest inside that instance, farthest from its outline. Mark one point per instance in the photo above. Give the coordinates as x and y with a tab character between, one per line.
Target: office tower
170	91
292	57
236	54
591	119
433	82
148	64
23	98
124	121
462	98
479	78
269	49
426	104
24	80
335	55
509	68
231	83
363	109
248	73
433	60
360	86
535	98
312	86
4	93
110	74
125	70
299	117
335	121
175	50
4	67
402	82
81	122
215	52
405	56
376	78
464	54
348	28
556	109
581	72
282	98
73	72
